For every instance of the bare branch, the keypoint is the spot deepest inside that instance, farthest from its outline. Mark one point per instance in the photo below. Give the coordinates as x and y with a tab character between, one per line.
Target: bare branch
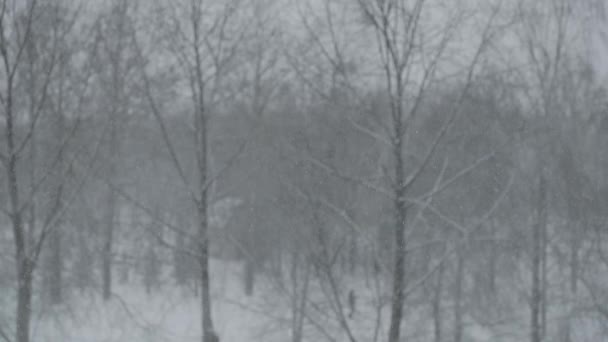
370	132
231	161
26	38
65	205
486	37
161	123
455	178
323	166
463	239
55	59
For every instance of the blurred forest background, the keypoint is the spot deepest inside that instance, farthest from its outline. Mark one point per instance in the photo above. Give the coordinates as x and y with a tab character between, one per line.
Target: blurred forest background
366	170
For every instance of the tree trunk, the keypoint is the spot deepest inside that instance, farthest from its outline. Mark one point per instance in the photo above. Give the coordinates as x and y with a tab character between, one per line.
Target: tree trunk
206	320
574	258
492	261
201	125
31	227
110	224
151	269
536	304
437	314
24	299
180	259
352	256
83	264
400	248
397	296
543	270
458	308
55	267
24	266
249	276
299	297
107	247
574	269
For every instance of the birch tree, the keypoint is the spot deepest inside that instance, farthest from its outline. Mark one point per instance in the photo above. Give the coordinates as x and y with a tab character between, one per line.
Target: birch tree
43	35
412	41
201	39
545	28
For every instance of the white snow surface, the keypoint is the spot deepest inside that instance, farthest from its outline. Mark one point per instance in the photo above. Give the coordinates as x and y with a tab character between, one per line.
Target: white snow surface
172	314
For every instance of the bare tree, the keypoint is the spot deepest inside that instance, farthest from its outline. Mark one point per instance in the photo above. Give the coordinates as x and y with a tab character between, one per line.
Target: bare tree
409	59
544	34
202	40
37	38
115	64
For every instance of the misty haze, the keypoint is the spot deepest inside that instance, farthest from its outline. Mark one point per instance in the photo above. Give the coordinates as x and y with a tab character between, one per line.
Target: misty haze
303	170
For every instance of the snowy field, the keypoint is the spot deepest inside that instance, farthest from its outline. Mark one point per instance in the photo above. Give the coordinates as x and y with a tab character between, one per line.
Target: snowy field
173	314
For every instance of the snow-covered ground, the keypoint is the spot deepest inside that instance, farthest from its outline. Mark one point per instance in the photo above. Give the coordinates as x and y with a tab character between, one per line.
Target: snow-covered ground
173	314
169	314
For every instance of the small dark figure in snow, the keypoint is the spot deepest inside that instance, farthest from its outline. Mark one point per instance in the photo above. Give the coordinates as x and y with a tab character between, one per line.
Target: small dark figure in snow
213	337
376	267
352	303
